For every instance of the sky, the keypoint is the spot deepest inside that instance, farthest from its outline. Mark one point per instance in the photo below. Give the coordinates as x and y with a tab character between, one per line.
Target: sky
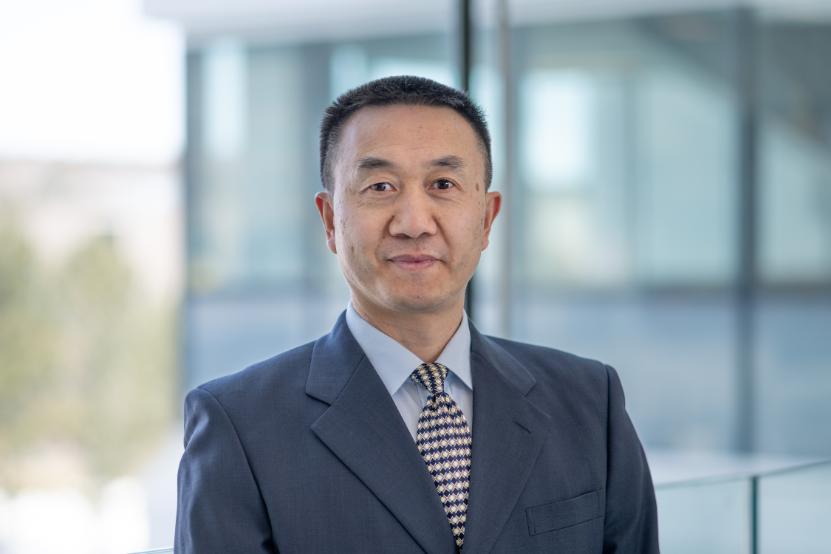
89	80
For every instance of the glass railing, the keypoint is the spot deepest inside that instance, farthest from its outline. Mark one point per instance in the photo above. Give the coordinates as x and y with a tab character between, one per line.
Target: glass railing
794	511
781	511
704	516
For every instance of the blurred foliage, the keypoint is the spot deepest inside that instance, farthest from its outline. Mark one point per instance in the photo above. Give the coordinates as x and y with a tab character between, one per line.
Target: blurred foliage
85	358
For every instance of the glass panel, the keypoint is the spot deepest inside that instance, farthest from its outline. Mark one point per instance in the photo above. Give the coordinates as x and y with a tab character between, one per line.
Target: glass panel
614	194
792	346
706	517
623	210
795	144
792	353
795	511
488	89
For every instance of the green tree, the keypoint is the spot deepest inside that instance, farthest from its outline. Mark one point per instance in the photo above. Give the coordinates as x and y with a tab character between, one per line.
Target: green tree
85	358
28	341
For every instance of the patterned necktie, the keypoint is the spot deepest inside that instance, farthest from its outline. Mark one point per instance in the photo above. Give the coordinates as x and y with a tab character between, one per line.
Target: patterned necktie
444	440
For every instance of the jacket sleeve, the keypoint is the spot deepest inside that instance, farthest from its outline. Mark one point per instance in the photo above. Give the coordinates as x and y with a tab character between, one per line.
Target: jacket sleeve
631	513
220	508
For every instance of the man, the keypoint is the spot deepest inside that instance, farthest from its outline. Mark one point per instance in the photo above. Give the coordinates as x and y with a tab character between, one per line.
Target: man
405	429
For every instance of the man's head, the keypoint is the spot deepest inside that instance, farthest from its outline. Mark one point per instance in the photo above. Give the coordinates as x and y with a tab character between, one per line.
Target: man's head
401	90
406	208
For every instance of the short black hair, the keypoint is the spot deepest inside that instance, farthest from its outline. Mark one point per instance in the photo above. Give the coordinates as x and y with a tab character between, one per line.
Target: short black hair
398	90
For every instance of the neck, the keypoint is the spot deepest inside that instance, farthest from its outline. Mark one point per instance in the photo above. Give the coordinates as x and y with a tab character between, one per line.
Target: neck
423	334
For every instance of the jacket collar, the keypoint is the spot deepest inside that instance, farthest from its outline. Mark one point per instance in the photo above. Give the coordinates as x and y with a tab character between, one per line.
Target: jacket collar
364	430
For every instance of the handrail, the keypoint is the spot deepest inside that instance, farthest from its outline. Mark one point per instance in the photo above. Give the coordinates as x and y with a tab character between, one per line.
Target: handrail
752	479
743	475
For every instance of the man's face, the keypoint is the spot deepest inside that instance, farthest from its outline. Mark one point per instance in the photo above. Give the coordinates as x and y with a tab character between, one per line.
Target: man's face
408	216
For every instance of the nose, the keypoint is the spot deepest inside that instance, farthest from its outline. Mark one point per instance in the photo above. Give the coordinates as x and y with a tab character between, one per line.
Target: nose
414	215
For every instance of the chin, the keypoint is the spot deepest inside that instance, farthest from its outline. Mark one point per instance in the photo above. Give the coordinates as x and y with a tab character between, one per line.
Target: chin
418	304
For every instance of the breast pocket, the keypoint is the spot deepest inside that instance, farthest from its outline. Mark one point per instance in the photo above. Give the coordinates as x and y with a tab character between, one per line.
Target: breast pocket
563	513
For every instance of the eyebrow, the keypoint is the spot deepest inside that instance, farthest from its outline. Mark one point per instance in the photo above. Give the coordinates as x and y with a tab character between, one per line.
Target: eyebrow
451	162
369	163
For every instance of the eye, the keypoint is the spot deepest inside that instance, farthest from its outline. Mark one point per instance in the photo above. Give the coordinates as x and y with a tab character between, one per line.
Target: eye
443	184
380	187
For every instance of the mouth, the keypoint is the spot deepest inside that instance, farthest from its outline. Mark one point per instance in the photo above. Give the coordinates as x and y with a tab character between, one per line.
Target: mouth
413	262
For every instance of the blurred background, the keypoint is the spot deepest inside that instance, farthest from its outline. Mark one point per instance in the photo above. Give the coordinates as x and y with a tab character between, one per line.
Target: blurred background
667	173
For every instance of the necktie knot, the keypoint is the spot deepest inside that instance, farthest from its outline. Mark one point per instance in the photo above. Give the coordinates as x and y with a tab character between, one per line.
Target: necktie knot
431	377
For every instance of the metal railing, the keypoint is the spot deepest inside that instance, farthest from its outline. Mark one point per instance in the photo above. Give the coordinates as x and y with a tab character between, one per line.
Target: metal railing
785	510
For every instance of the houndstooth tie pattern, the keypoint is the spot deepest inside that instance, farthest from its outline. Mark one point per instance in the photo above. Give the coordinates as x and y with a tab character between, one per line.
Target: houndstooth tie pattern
443	438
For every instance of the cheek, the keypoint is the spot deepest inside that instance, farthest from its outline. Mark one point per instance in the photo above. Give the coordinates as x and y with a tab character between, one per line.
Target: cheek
356	238
467	234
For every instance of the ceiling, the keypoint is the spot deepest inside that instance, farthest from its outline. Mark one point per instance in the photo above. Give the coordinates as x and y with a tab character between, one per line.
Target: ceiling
315	19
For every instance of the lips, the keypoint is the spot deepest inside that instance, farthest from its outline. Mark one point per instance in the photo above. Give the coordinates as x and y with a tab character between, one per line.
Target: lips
412	262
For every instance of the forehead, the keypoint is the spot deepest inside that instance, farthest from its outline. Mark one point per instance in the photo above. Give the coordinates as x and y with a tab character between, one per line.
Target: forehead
378	129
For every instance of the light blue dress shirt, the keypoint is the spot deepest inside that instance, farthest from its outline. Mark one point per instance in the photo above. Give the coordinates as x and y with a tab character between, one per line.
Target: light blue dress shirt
394	364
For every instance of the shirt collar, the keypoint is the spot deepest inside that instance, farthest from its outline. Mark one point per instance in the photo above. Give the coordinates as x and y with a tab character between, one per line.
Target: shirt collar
394	363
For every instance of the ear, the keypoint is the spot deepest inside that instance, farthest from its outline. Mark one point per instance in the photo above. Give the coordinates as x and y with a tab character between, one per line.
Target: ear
493	203
323	201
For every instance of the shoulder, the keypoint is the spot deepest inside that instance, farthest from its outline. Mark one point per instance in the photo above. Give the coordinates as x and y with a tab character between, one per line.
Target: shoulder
555	371
547	356
266	381
544	360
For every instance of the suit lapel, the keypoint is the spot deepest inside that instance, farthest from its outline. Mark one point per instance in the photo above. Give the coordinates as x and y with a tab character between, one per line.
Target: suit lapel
363	428
508	434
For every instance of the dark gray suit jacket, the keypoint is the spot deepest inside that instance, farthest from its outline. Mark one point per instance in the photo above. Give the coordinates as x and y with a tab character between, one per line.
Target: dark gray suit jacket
306	452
